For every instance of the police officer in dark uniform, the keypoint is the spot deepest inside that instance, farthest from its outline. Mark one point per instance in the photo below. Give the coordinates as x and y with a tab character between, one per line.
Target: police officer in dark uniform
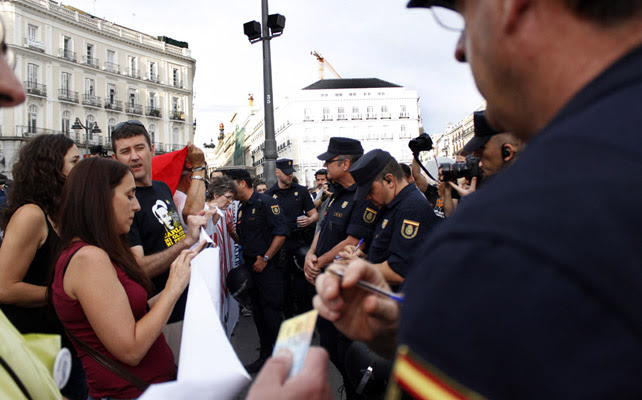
405	217
261	230
300	213
345	223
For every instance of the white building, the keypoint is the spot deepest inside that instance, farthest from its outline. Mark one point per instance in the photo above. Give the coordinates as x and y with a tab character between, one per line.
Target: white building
378	113
74	65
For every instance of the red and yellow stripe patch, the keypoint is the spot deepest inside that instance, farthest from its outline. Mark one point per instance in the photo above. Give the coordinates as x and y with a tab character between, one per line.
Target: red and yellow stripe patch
421	381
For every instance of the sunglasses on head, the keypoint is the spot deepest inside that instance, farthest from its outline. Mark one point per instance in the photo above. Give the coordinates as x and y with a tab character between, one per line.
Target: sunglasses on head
130	122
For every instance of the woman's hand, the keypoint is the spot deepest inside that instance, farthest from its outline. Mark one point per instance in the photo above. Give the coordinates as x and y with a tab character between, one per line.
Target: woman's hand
179	271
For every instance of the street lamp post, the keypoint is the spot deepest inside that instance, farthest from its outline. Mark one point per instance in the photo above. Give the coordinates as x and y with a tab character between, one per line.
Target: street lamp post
272	27
91	126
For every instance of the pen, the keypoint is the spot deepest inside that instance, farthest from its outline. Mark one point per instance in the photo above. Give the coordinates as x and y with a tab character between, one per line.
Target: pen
358	245
398	297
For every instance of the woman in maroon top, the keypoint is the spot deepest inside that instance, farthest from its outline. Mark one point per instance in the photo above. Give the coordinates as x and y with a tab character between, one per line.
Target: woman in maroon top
100	292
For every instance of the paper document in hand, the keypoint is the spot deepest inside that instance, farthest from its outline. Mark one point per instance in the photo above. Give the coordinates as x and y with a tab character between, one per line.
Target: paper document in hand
208	364
295	335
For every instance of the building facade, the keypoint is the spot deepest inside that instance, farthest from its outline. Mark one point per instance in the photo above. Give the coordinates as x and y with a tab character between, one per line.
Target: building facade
378	113
74	65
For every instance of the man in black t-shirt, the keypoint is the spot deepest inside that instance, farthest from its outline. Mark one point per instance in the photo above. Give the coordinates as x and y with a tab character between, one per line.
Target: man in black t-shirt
156	236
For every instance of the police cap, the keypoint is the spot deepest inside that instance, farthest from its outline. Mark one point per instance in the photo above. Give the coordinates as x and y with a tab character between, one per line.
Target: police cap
341	145
366	169
285	165
237	174
483	132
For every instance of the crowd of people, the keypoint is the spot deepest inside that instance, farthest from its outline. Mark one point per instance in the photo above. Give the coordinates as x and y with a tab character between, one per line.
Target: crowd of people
517	274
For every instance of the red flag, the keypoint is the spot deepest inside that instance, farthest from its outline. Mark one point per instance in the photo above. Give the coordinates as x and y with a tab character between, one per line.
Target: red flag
168	167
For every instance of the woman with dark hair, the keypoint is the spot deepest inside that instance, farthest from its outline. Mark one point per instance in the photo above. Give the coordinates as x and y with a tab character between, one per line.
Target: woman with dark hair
30	241
100	292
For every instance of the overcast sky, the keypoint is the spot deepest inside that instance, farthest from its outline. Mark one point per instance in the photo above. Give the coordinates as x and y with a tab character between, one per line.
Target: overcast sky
360	38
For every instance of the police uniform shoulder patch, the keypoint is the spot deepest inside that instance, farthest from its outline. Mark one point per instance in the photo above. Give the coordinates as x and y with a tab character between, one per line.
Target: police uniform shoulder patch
409	229
369	215
413	377
240	214
276	210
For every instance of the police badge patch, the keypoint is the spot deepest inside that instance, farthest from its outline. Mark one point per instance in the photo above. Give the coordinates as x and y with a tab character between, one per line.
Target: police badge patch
369	215
384	224
409	229
276	210
275	196
344	205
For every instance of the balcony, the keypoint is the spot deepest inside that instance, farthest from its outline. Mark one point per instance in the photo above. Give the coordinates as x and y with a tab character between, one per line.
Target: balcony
177	84
90	100
341	117
67	55
34	44
308	118
111	67
159	147
29	130
177	116
326	117
385	115
35	89
67	95
134	73
90	61
356	116
176	147
153	112
404	114
133	108
371	116
113	105
152	77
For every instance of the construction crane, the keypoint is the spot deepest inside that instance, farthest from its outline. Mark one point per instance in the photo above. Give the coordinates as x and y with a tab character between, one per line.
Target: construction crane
322	64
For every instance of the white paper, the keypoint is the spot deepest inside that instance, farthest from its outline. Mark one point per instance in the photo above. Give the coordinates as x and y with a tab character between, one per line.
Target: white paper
208	365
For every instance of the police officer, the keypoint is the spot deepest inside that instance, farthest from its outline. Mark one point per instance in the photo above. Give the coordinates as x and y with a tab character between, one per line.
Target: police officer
261	230
298	208
405	217
346	221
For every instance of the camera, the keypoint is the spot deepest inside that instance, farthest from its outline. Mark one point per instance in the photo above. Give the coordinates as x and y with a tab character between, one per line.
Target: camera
421	143
467	169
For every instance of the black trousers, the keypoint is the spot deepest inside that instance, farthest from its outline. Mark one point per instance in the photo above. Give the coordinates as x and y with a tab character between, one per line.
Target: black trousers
298	297
267	302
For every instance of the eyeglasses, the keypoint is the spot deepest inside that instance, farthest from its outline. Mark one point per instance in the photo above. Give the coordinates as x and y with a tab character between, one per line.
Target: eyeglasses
130	122
448	19
7	53
328	162
229	197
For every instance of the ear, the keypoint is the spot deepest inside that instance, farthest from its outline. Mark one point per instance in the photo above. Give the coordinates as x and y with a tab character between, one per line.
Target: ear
508	152
512	14
152	149
388	178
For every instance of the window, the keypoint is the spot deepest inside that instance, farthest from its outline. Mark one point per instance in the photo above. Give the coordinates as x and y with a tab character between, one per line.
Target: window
341	114
307	115
132	66
175	136
152	71
110	127
386	133
326	114
176	104
384	109
66	44
152	100
89	122
404	134
90	53
90	88
32	32
111	65
132	97
176	77
111	93
371	135
32	119
152	132
66	121
65	82
32	75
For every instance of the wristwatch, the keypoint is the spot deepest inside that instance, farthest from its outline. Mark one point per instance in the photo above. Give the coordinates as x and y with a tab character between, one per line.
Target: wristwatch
266	258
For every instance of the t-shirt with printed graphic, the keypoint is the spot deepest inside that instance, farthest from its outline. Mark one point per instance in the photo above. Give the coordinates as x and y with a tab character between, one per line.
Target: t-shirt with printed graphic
156	227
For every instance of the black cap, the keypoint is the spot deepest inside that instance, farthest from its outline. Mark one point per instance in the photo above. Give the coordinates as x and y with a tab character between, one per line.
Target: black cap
237	174
285	165
341	145
429	3
483	132
366	169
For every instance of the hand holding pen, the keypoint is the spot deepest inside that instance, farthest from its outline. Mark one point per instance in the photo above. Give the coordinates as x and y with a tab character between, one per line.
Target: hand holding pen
350	253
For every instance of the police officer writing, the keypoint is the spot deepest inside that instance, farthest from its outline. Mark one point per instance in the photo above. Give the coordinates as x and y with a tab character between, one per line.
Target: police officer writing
296	204
406	216
261	230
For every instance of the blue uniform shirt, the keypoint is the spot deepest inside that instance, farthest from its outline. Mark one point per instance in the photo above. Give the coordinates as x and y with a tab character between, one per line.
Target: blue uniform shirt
533	289
401	229
294	201
345	216
259	220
